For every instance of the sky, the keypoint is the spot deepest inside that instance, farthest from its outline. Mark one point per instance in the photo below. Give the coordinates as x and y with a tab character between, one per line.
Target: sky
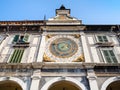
89	11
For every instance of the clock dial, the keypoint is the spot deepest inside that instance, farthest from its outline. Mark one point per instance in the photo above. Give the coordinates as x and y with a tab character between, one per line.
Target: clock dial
63	47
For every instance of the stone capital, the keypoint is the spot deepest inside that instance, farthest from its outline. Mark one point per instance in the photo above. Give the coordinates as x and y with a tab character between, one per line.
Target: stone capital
36	77
92	77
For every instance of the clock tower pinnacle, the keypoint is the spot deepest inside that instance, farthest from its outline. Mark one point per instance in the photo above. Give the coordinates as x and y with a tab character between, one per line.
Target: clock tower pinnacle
63	11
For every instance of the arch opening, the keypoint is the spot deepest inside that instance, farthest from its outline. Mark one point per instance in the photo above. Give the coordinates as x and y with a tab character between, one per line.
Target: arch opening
9	85
114	86
64	85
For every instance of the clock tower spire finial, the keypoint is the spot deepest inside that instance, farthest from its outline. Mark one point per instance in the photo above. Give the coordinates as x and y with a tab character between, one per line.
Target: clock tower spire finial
62	7
63	11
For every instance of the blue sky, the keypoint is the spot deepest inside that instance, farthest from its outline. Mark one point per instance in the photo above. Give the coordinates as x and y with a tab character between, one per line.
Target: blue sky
89	11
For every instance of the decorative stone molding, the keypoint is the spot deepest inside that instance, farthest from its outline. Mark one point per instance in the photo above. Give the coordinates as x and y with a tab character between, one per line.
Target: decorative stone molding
36	77
63	78
91	77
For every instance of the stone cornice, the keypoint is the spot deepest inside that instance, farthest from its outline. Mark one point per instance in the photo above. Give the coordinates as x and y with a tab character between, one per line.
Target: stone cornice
53	65
22	22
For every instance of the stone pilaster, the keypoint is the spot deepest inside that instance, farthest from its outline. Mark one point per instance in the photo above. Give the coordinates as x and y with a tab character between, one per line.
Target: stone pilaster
41	49
85	48
35	80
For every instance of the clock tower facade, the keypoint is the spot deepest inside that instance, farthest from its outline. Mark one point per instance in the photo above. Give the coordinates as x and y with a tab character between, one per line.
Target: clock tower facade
60	53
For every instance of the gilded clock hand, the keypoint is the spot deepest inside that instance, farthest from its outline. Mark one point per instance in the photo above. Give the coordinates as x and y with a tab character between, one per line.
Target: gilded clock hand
65	46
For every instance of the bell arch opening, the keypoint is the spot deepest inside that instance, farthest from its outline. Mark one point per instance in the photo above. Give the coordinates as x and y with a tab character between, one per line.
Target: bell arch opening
64	85
114	86
9	85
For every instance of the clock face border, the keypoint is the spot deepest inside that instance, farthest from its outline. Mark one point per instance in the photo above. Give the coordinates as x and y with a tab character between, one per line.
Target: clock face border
63	47
69	58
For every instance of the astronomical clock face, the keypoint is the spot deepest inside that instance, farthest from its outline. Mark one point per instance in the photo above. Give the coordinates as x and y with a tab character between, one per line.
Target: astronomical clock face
63	48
